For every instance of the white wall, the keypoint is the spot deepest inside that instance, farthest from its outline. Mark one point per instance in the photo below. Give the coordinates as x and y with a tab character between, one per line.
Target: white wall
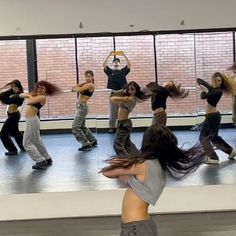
33	17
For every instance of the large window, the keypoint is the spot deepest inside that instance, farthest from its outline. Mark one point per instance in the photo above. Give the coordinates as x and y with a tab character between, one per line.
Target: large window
179	57
56	64
13	65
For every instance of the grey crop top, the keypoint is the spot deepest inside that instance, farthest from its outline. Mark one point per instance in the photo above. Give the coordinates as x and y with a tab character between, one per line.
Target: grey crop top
129	105
151	189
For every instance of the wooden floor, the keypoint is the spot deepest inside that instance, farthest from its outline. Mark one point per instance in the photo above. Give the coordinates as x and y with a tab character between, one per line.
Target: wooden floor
201	224
73	170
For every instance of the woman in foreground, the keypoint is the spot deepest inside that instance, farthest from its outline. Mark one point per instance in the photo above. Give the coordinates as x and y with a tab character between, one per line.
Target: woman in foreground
145	176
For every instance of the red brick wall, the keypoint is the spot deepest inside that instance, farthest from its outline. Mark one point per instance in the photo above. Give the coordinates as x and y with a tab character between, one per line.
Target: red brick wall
180	58
12	66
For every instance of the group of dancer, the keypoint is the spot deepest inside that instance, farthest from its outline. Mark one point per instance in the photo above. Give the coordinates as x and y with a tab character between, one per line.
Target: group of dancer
144	171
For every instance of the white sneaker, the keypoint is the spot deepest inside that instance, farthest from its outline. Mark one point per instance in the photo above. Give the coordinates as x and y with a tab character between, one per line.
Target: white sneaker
232	154
212	161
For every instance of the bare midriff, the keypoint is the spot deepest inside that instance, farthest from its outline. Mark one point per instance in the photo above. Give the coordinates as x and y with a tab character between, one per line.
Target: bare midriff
211	109
133	208
12	108
123	114
83	98
158	110
31	111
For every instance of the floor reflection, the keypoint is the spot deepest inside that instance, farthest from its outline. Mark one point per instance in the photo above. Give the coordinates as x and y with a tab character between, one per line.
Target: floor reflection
75	171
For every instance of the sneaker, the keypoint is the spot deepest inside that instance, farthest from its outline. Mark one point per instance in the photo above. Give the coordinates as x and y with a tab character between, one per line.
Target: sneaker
40	165
212	161
11	153
94	143
232	154
111	130
85	147
49	161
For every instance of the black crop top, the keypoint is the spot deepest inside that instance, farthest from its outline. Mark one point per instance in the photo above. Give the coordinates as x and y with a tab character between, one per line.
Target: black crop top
213	95
159	98
87	93
11	99
37	105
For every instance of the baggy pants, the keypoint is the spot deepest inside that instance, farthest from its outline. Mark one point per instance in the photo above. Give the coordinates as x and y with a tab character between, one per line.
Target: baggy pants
32	141
122	143
11	128
80	131
209	135
139	228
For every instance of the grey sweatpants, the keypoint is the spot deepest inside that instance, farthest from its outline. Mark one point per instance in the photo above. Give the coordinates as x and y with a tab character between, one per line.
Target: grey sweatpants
32	141
122	143
139	228
80	131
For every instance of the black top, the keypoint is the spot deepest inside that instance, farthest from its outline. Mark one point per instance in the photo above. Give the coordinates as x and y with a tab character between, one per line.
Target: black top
159	98
87	93
11	99
37	105
213	95
116	78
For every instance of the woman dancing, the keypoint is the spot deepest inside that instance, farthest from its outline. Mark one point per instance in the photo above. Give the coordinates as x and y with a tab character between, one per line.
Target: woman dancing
11	125
145	176
127	101
80	131
159	98
210	128
31	140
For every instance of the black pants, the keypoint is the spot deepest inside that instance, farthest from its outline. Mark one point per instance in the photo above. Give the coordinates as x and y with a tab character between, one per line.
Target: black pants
10	128
209	134
122	143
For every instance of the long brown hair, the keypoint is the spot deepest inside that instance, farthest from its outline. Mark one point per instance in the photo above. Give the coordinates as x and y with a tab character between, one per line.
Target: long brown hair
175	91
51	89
228	83
160	143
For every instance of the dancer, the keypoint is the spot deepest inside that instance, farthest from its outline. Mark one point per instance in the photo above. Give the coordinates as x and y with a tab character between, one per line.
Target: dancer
145	176
80	131
11	125
126	101
210	128
159	98
116	82
31	140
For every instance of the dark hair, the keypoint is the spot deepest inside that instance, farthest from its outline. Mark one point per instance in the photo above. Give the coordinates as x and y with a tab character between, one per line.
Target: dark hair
225	85
51	89
10	91
175	91
160	143
141	94
89	72
116	59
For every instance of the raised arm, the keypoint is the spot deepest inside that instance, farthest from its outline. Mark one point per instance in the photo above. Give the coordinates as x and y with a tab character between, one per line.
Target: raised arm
127	60
106	60
203	83
78	88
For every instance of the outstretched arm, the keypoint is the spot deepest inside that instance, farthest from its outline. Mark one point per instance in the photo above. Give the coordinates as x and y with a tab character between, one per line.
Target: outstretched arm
116	173
202	82
124	99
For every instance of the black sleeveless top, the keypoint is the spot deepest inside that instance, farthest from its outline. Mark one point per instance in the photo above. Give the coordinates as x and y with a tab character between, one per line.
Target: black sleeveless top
213	95
37	105
87	93
159	98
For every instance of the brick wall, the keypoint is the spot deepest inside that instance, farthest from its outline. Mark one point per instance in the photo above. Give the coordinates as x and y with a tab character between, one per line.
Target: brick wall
180	58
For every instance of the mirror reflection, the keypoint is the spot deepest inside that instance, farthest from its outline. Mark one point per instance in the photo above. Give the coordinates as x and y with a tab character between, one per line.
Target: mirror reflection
81	129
